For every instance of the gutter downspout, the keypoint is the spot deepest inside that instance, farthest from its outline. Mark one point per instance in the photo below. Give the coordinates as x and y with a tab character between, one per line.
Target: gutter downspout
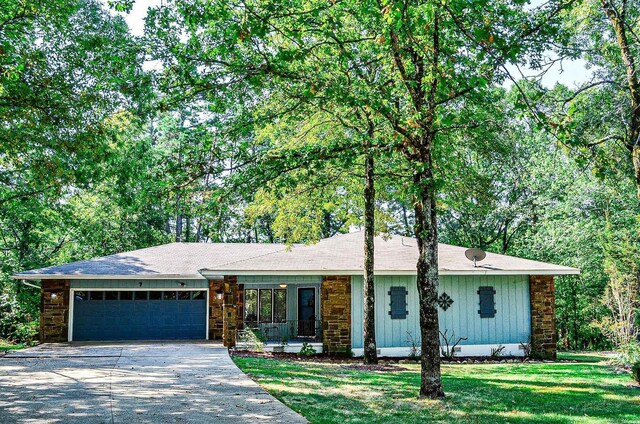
31	285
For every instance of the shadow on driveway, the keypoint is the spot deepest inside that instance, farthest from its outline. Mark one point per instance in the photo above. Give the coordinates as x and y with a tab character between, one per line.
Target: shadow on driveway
182	382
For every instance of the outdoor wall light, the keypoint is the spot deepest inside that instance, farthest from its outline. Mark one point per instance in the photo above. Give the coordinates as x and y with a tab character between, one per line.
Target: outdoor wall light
219	295
54	296
181	283
283	286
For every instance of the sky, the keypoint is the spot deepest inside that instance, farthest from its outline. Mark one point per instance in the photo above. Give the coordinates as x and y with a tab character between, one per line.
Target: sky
569	73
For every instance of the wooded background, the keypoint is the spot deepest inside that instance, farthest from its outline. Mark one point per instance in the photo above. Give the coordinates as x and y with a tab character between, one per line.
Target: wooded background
223	124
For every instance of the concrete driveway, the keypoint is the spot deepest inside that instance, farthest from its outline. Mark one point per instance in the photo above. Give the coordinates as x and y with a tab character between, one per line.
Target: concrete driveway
182	382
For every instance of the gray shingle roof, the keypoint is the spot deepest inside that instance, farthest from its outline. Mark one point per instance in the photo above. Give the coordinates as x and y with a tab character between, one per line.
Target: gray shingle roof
173	260
342	254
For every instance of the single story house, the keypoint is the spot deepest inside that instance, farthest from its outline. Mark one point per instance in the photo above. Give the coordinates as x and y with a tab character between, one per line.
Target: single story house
298	293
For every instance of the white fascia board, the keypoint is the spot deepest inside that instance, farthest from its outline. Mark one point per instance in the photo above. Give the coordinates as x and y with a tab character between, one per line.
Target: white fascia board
106	277
221	273
206	274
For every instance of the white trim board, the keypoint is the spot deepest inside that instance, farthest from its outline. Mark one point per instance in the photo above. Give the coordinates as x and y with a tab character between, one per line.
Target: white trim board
510	349
216	273
107	277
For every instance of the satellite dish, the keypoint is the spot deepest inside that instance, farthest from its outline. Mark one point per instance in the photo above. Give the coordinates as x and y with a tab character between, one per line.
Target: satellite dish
475	255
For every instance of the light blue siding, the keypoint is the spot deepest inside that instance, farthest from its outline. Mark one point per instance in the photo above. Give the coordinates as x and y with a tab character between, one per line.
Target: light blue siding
510	325
293	282
139	284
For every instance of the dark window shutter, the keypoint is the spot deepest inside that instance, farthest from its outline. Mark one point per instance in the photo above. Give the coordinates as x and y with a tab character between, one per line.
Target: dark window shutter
487	302
398	303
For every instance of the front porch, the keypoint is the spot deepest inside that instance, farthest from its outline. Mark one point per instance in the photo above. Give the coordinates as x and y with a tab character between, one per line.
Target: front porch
289	336
281	313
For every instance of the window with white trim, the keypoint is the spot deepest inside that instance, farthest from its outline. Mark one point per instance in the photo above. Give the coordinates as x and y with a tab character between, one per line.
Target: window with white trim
265	305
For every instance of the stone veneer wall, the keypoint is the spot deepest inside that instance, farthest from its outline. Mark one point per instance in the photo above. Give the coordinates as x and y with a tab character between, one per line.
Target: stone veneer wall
543	316
240	304
54	311
335	312
223	313
215	310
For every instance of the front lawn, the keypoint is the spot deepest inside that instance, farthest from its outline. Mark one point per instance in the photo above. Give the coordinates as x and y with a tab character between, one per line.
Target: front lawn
561	392
6	345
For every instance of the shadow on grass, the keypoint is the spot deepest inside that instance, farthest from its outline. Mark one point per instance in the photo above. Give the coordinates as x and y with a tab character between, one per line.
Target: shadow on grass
586	357
519	393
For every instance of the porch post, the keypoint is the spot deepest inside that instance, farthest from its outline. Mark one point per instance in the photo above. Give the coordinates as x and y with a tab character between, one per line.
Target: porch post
223	310
335	312
230	311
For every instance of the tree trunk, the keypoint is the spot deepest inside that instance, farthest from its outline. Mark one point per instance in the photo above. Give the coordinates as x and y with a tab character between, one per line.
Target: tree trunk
370	352
428	279
635	155
620	29
179	227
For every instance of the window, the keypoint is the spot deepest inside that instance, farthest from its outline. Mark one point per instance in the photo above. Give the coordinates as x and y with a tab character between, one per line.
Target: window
126	295
140	295
251	305
279	305
96	295
398	303
169	295
111	295
184	295
155	295
80	295
266	305
198	295
487	302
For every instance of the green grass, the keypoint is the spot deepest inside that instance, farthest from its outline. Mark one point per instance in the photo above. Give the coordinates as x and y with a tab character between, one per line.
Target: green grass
584	392
592	357
8	346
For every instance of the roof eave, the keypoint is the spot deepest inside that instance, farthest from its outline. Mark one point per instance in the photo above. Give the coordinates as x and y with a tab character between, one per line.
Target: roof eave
106	277
219	273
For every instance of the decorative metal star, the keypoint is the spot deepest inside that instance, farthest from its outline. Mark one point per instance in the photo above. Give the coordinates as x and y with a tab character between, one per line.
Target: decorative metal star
445	301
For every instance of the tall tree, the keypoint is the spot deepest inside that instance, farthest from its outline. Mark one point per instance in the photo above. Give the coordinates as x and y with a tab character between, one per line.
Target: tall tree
412	64
605	109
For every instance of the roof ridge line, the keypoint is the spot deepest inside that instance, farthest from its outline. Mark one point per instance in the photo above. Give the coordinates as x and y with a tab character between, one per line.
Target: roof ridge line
246	259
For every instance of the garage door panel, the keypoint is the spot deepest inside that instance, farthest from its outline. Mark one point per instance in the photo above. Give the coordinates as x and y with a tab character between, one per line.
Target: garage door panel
171	317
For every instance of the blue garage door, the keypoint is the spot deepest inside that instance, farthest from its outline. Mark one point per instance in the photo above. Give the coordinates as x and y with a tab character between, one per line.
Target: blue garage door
139	315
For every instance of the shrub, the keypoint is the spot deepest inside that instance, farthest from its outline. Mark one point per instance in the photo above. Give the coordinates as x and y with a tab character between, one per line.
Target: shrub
307	350
629	354
497	351
635	372
253	339
17	325
413	346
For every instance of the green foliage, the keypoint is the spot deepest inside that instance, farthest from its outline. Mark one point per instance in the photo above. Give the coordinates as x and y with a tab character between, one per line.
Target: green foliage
18	324
307	350
635	372
252	339
260	121
629	353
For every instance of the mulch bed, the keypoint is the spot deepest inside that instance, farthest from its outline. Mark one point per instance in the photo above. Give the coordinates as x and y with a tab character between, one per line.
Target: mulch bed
295	357
356	364
386	364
